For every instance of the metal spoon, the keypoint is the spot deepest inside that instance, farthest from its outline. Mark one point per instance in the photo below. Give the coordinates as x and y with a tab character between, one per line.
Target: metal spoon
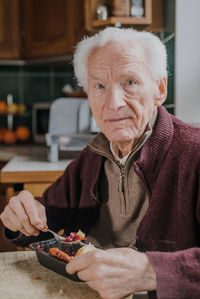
56	236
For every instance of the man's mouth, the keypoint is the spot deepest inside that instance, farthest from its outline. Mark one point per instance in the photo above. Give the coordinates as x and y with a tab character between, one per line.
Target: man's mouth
113	120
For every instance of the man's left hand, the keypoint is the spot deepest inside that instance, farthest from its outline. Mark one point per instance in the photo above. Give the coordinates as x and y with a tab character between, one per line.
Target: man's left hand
114	273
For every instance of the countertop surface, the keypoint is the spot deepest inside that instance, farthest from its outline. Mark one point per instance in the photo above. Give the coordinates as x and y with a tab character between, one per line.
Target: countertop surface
30	163
22	169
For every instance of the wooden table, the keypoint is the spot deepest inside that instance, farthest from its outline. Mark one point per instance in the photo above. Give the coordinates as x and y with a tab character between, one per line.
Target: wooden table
18	271
22	276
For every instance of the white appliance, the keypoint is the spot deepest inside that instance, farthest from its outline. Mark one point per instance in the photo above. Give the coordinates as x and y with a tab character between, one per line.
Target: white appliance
93	126
69	126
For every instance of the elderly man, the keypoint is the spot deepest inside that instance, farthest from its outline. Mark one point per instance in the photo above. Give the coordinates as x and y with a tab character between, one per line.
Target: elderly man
134	189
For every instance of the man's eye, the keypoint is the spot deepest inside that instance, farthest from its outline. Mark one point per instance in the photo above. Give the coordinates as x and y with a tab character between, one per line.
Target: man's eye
130	83
99	86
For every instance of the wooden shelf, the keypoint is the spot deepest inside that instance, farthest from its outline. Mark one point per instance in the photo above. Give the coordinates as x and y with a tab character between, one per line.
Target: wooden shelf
153	16
122	20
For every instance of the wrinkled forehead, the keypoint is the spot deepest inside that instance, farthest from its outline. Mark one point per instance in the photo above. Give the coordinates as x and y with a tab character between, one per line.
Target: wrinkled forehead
115	51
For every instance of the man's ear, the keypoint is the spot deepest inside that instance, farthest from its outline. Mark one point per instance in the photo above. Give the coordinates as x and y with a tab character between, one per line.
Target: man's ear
161	92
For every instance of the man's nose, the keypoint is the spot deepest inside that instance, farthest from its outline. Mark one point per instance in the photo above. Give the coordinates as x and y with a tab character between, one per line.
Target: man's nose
115	98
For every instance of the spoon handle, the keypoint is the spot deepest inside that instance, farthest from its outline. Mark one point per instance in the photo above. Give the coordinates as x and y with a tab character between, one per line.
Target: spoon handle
56	236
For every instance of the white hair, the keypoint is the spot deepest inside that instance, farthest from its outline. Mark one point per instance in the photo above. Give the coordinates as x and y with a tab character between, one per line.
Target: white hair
153	47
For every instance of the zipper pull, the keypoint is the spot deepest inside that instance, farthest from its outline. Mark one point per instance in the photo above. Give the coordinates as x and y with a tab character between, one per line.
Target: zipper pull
121	181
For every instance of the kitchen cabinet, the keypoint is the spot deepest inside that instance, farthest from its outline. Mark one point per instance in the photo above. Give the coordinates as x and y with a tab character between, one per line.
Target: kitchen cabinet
34	29
152	19
50	27
9	29
31	29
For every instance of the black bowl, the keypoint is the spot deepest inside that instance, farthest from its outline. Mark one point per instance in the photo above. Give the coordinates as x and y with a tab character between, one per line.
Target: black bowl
52	263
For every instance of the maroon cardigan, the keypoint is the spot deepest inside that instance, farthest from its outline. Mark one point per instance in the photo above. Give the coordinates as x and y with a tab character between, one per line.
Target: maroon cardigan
169	165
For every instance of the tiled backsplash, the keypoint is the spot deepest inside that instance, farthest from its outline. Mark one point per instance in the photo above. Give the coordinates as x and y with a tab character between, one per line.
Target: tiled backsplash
36	83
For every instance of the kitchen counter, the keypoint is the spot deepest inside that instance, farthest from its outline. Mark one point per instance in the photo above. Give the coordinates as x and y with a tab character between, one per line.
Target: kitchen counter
22	169
34	173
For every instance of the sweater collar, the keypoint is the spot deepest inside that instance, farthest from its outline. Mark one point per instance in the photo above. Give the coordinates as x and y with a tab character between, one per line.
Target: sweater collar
102	146
155	149
153	152
137	147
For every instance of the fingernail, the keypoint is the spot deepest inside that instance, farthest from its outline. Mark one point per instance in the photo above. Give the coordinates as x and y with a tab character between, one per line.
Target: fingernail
40	226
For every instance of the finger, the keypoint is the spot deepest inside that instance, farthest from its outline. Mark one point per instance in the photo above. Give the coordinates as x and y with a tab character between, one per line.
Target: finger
93	272
77	264
99	271
6	218
31	209
12	222
19	226
95	285
86	274
42	213
83	261
22	218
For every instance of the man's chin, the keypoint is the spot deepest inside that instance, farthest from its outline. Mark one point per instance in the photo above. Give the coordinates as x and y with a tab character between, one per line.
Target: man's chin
119	137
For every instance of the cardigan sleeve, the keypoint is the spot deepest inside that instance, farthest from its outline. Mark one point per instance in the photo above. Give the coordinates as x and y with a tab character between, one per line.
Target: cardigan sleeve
56	201
178	273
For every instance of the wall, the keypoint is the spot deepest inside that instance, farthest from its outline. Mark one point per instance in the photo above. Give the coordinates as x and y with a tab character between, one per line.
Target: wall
168	38
188	61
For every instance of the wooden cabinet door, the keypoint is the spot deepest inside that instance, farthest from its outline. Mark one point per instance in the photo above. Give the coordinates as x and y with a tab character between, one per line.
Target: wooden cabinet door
51	28
9	29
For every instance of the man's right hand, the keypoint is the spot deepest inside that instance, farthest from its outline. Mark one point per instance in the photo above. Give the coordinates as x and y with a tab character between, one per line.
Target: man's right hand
25	214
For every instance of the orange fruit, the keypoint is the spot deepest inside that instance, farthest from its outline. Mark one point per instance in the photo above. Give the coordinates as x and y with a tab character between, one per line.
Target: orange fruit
22	133
9	137
3	107
12	108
